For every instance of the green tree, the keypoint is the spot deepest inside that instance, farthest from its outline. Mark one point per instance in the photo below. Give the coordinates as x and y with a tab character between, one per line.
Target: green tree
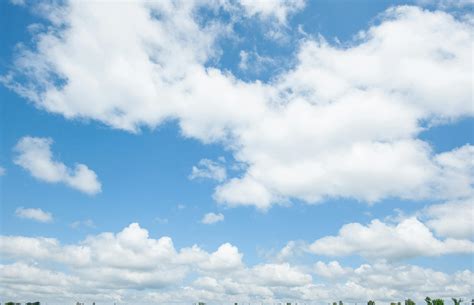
428	301
340	303
370	302
438	302
457	301
409	302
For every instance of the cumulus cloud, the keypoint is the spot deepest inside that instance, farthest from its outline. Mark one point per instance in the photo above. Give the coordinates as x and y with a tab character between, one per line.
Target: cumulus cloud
211	218
377	240
35	156
343	122
226	258
349	129
331	270
384	282
129	257
452	219
132	267
210	170
34	214
281	275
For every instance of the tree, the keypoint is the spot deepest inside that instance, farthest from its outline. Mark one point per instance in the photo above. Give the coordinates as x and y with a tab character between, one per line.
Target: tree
457	301
428	301
438	302
409	302
370	302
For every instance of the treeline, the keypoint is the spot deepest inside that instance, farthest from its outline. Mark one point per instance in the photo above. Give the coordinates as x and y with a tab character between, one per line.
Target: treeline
428	301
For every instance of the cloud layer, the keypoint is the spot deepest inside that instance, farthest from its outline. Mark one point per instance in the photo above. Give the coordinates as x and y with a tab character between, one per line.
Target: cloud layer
132	266
409	238
335	125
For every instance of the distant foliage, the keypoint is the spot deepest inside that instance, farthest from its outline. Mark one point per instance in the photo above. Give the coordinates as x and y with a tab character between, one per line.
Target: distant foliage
370	302
409	302
438	302
457	301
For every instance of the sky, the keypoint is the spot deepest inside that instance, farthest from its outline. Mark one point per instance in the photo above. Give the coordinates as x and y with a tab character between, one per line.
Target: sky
173	152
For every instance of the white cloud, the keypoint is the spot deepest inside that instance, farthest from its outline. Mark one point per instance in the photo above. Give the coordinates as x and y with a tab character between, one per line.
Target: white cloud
161	220
2	171
226	258
18	2
331	270
132	267
210	170
280	10
34	214
281	275
378	240
252	62
34	155
88	223
290	250
211	218
387	282
344	122
43	249
128	258
446	4
452	219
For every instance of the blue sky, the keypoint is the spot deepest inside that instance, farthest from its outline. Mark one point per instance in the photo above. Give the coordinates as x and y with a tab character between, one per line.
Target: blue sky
250	89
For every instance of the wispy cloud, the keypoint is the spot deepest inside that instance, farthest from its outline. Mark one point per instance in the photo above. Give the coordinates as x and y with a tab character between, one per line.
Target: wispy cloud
211	218
209	169
35	214
88	223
